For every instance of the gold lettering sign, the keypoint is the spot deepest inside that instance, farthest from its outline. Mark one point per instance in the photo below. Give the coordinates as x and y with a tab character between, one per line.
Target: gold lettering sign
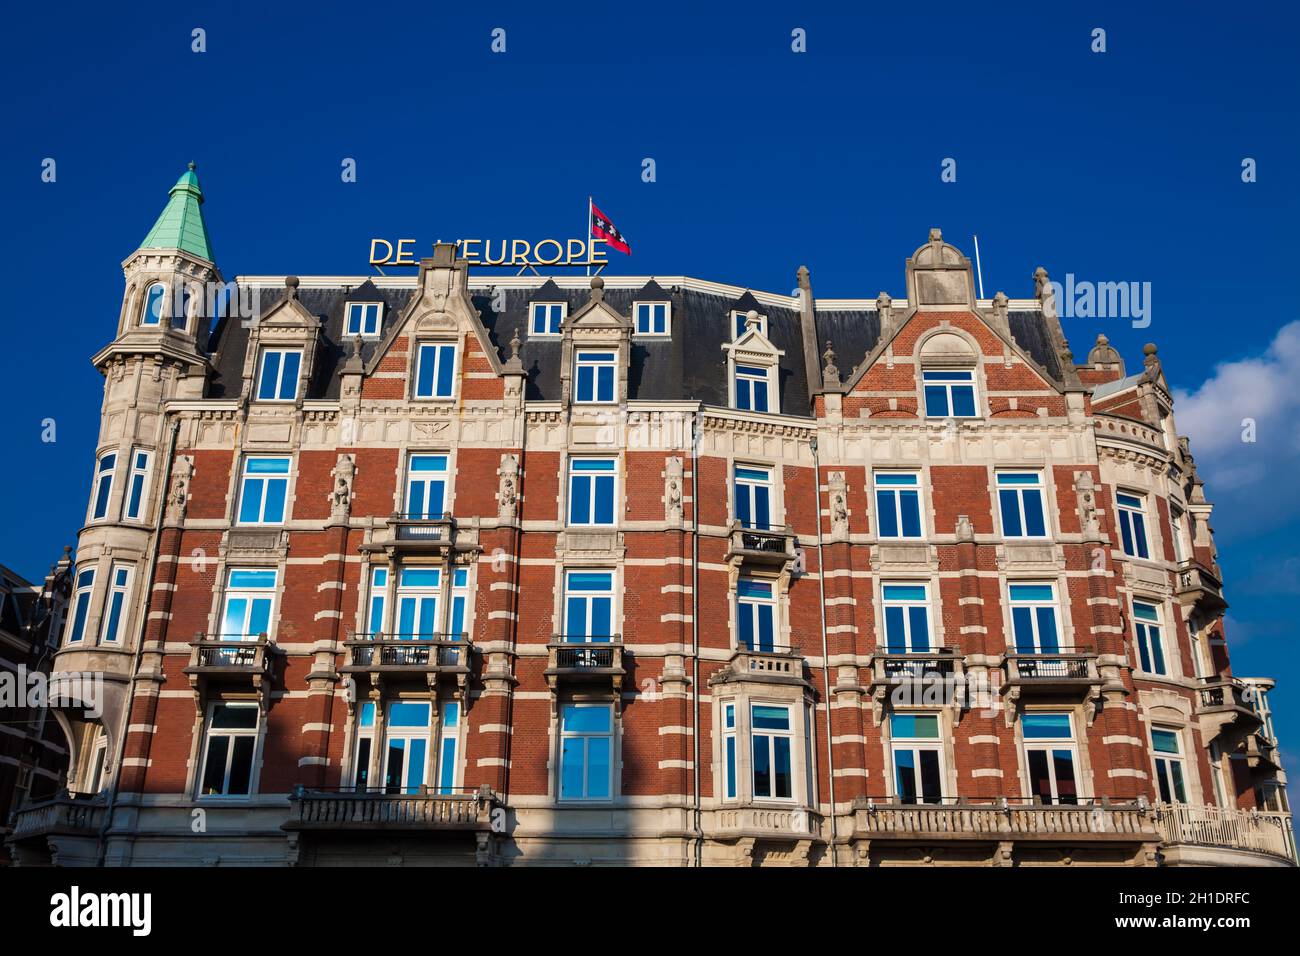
516	253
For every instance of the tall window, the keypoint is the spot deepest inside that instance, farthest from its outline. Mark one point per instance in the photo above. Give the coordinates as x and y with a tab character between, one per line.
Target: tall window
1050	755
586	751
1146	624
773	743
1169	766
137	484
651	318
407	735
154	298
119	590
907	618
365	746
435	370
418	591
378	598
231	740
588	606
250	593
591	491
1033	618
752	388
363	319
448	768
729	749
103	485
459	603
98	757
949	394
546	318
594	377
1020	501
755	615
1176	526
918	757
754	497
279	378
263	491
81	596
1132	525
426	486
898	505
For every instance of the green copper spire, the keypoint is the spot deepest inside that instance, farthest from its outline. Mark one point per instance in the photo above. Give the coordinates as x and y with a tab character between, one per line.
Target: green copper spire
181	224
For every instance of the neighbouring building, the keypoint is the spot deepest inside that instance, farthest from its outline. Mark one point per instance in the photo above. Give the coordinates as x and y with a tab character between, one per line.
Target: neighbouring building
513	569
33	751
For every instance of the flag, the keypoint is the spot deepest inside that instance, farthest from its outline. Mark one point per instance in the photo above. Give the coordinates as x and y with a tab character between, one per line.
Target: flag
602	228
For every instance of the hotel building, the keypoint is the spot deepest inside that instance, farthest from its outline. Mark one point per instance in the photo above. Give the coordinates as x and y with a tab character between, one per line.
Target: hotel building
464	567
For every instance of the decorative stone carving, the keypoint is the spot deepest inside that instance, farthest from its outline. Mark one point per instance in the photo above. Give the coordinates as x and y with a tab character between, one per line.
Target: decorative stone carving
1086	490
839	495
673	490
965	530
508	492
179	493
341	497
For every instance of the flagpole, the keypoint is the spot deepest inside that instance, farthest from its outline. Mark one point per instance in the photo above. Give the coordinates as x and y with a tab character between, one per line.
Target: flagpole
588	235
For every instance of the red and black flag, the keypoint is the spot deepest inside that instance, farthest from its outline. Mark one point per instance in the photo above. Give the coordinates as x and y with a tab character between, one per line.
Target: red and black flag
602	228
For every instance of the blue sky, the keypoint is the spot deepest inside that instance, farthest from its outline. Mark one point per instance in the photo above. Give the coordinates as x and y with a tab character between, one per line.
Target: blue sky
1122	166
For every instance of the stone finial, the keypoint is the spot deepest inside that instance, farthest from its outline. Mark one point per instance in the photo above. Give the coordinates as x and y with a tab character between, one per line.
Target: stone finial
830	374
936	235
1042	284
751	320
1151	360
1103	354
597	288
291	286
805	278
515	363
193	166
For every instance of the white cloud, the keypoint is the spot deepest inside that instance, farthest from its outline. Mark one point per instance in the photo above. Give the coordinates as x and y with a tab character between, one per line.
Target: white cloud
1266	390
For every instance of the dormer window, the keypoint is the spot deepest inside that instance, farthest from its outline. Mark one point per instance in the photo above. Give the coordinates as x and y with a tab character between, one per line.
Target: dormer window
546	317
652	318
435	373
154	296
739	328
363	319
949	393
594	375
753	387
278	381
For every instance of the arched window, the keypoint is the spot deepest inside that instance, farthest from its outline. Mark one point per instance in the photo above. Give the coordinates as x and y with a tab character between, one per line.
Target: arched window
181	318
151	314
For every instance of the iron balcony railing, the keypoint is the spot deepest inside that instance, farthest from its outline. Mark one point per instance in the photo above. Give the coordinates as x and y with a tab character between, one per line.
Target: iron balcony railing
413	651
906	665
579	652
1062	663
421	809
1226	693
762	545
229	653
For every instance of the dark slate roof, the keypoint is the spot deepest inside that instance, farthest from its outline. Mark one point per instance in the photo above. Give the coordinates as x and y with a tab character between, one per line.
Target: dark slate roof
689	365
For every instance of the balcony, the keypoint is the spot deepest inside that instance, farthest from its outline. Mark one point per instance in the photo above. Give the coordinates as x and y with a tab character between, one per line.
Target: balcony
1192	834
418	534
761	548
353	809
578	659
1200	588
777	664
229	659
62	815
791	830
1066	671
913	678
410	655
959	826
1224	707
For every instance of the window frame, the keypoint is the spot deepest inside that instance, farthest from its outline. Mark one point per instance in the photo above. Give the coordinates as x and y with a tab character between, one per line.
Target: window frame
409	735
651	305
907	605
1018	489
137	485
592	474
418	597
1150	645
583	360
1035	605
440	348
278	397
561	762
947	385
751	607
917	745
772	735
233	734
1170	767
101	493
1134	530
435	477
83	592
250	593
116	604
544	308
576	596
1051	746
361	308
377	604
753	485
896	493
265	479
754	375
